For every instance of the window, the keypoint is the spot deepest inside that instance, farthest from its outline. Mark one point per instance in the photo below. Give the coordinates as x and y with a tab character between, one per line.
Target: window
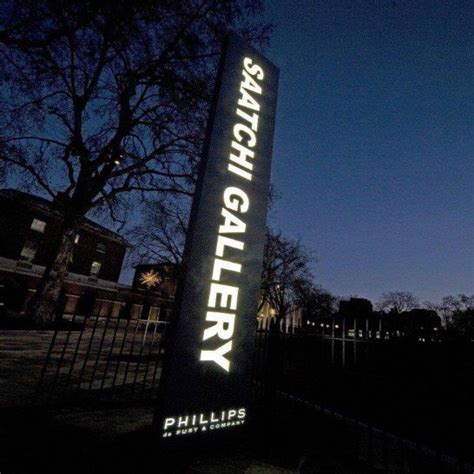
95	268
136	311
28	251
105	309
38	225
71	303
101	247
76	239
116	309
154	313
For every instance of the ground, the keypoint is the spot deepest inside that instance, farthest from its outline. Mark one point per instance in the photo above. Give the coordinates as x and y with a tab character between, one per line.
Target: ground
120	441
22	355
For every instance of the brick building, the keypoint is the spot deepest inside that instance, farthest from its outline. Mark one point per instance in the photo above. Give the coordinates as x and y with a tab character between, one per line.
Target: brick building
28	227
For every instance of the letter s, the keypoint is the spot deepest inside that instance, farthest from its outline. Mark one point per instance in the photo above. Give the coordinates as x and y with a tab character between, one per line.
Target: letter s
254	70
242	413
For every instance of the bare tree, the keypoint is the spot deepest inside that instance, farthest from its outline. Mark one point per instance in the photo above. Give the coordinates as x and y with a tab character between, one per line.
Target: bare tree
397	301
316	302
162	234
285	267
454	309
286	278
104	98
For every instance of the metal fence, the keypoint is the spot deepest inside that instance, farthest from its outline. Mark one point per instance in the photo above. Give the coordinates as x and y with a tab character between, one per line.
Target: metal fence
405	403
407	398
102	360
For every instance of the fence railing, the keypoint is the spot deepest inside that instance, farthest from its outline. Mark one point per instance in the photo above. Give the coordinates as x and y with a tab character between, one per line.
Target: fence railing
102	360
414	389
389	390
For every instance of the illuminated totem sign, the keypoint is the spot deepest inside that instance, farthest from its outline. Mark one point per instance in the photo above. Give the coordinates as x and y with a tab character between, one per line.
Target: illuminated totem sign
207	371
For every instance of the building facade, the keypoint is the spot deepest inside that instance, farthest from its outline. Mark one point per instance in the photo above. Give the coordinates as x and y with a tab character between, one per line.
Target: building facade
291	323
29	226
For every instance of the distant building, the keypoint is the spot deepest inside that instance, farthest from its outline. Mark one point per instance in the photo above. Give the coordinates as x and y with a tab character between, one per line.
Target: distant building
292	321
29	226
357	319
153	284
357	308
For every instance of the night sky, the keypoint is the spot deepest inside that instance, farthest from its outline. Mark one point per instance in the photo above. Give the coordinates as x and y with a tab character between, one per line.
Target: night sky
374	140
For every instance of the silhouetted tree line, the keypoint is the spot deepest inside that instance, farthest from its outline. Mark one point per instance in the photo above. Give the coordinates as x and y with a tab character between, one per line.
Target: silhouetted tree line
398	311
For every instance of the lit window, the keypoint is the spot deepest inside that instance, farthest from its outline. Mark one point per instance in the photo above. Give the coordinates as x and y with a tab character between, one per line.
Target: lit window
76	239
38	225
95	268
28	251
101	247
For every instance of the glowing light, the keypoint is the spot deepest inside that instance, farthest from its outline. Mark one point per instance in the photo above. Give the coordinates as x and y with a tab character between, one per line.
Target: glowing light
150	279
235	203
189	424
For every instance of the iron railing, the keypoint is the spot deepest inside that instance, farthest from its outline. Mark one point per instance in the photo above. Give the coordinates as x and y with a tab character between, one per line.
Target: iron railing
102	360
406	397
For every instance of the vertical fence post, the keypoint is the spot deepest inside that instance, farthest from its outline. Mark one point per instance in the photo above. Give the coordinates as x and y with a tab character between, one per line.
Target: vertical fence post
130	353
332	341
111	350
44	368
119	359
101	343
60	361
343	341
150	352
160	347
86	358
140	357
74	357
356	338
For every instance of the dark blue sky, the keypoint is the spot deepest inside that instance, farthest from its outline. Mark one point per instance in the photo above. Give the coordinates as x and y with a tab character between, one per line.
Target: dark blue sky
374	142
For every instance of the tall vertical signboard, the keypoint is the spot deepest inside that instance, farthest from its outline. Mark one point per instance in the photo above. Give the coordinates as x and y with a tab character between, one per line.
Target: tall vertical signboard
207	370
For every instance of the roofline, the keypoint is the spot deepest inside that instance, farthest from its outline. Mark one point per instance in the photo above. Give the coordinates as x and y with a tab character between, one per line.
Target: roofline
49	209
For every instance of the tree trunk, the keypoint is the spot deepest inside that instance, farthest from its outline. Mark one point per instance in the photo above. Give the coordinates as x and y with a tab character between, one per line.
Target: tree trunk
44	304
